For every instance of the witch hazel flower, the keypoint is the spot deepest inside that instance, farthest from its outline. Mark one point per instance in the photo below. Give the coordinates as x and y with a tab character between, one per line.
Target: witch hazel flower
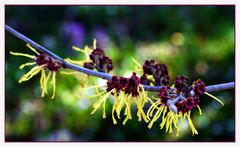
86	51
99	61
83	78
94	59
125	92
47	66
176	103
153	73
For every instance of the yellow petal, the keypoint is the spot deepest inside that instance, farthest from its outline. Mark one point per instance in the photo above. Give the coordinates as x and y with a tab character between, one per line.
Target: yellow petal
53	83
182	118
156	116
83	78
194	131
152	108
21	54
214	98
139	108
115	105
35	70
42	80
138	66
77	48
75	62
104	109
94	43
200	111
68	72
168	122
113	118
98	94
155	98
174	117
121	103
26	64
47	78
97	87
99	103
128	114
164	118
85	51
140	112
34	50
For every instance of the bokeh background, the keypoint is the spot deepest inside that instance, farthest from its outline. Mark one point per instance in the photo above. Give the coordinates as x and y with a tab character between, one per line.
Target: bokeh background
196	41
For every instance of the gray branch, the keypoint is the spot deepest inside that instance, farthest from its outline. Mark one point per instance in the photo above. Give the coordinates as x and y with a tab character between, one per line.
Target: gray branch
103	75
220	87
64	63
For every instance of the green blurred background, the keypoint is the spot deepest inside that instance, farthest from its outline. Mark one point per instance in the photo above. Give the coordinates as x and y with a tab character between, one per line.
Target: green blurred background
196	41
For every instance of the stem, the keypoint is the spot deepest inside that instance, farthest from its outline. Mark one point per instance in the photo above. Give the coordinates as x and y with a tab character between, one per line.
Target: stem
106	76
32	43
220	87
64	63
171	103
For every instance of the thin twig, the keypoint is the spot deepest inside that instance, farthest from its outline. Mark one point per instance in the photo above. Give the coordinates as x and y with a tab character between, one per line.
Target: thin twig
220	87
61	60
106	76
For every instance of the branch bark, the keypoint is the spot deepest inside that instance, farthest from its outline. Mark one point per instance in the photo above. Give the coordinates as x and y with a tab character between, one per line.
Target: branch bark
106	76
61	60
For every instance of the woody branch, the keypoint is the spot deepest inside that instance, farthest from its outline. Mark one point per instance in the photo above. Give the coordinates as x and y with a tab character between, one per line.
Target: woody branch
65	64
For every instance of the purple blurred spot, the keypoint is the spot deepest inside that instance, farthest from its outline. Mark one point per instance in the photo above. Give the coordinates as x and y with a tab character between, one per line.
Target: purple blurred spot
73	33
121	28
48	41
60	135
217	129
102	38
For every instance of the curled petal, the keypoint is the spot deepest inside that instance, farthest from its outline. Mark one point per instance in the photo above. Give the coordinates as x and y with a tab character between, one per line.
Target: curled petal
94	43
115	106
86	51
128	114
152	108
27	64
21	54
75	62
140	113
53	83
163	118
68	72
35	70
182	118
200	111
138	66
31	48
156	116
214	98
121	103
194	131
43	82
101	101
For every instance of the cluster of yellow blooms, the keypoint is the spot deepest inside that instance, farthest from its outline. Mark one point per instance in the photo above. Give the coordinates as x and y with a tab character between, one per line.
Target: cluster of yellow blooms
173	106
46	66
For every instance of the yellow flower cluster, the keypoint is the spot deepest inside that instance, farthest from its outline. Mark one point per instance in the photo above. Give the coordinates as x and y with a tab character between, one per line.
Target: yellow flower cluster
121	101
123	98
40	67
82	77
169	118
